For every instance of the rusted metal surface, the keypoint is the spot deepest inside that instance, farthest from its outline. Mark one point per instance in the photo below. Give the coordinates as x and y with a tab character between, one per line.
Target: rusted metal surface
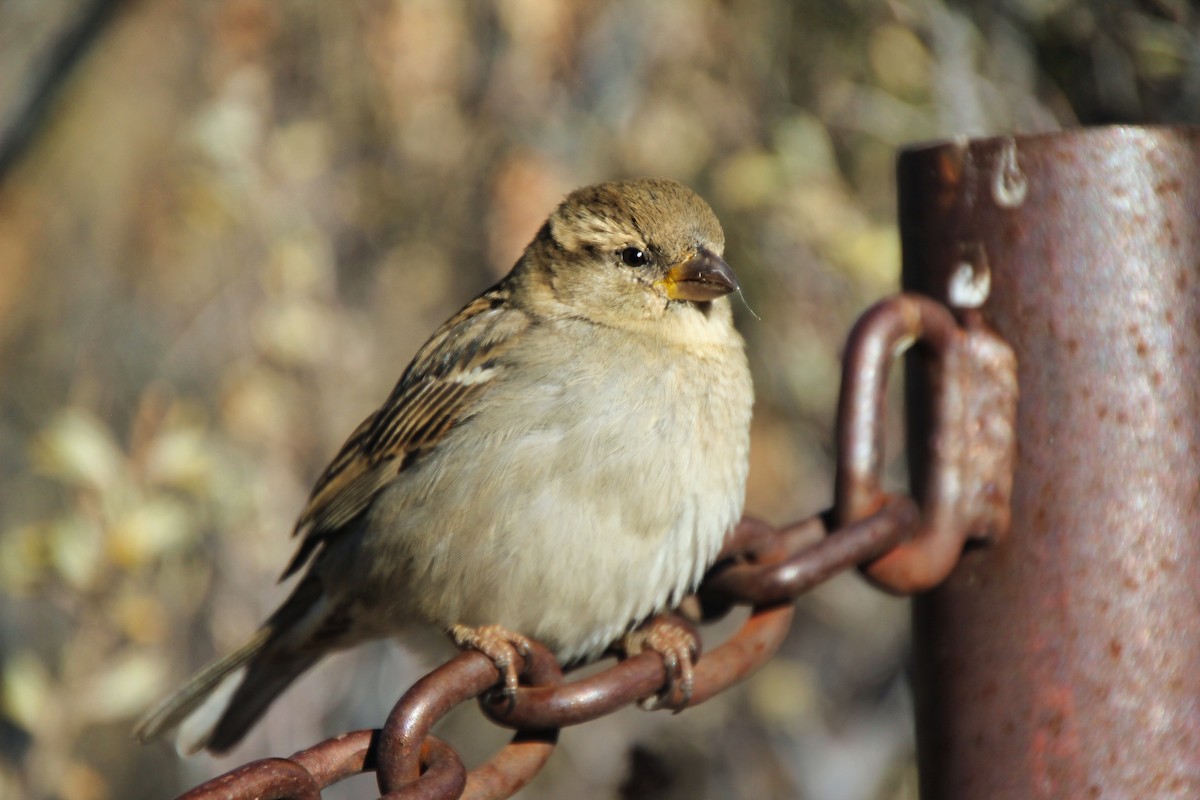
339	758
965	472
267	779
1063	662
518	763
803	556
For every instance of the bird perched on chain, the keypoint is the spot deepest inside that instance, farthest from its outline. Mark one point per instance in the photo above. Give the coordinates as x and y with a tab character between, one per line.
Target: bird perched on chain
561	460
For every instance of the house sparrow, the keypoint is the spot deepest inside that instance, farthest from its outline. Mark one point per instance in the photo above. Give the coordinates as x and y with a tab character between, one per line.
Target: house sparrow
562	460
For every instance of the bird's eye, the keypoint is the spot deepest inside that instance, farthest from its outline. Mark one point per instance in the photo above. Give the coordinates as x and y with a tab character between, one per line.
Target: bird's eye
634	257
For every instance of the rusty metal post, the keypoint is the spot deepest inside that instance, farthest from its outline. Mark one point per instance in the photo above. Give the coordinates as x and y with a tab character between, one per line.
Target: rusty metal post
1065	662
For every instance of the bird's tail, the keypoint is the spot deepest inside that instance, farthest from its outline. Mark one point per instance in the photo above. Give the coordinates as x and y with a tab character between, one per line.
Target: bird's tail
217	706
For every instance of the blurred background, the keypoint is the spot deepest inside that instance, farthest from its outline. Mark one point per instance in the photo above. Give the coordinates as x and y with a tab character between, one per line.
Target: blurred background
225	227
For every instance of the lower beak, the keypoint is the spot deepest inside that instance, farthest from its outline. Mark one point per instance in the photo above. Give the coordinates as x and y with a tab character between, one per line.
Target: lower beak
705	276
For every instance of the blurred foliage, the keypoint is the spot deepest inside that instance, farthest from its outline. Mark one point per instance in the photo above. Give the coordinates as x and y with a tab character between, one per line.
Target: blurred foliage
235	221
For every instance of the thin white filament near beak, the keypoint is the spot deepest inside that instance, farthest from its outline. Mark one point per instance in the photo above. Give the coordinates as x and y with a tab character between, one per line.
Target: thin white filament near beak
742	295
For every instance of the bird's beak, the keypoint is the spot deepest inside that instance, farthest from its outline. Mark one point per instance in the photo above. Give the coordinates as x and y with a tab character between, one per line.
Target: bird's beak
705	276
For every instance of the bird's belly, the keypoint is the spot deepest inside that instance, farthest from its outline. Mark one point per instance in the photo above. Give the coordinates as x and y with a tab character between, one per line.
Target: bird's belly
569	529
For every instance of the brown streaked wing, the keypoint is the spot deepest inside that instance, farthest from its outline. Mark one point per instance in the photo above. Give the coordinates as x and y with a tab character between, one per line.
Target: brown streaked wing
438	390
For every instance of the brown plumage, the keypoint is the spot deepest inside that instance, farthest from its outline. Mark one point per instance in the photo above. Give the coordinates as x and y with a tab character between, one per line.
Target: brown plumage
563	459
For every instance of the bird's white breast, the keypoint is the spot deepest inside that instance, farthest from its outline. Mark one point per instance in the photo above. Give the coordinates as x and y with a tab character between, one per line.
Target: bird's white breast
583	494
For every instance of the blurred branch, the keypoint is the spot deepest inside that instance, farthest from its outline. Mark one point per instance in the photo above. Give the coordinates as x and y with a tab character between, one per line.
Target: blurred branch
26	111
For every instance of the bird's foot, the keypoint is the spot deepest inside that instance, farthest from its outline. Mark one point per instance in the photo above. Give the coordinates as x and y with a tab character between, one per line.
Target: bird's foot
675	639
504	647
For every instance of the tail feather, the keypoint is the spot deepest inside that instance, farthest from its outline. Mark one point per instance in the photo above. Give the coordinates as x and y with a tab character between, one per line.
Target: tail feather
216	706
186	699
249	698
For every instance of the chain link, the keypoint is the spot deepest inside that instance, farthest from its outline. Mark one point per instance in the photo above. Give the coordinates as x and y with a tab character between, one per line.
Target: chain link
966	483
902	545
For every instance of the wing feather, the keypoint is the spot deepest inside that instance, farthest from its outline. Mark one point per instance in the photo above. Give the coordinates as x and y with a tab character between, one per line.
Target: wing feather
438	390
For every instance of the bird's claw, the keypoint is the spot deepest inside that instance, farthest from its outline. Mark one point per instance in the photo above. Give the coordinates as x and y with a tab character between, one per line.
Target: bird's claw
504	647
675	640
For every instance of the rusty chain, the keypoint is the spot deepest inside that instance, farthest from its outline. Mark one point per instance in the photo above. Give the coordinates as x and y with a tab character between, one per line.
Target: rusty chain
903	545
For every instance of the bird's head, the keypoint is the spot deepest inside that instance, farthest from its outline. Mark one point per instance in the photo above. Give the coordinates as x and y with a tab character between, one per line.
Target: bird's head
632	253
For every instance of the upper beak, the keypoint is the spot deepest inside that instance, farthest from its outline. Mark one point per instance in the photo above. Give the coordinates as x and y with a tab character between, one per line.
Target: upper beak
704	276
